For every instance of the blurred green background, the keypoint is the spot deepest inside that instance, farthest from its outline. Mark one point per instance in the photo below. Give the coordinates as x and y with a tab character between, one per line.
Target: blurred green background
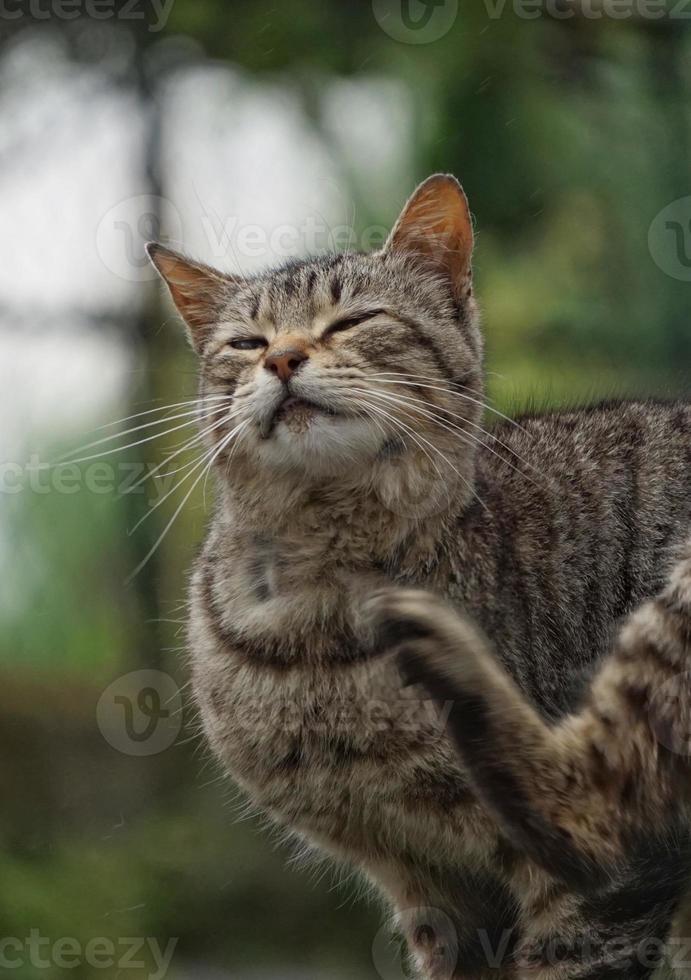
571	137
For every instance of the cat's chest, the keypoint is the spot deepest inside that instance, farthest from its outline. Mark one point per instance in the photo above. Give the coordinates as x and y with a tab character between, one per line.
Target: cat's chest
326	752
289	593
314	724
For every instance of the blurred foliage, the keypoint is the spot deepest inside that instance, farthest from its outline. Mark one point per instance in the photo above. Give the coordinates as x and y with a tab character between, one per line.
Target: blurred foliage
569	137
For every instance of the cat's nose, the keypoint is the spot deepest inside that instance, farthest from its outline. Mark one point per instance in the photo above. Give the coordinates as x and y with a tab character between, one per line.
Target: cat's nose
284	363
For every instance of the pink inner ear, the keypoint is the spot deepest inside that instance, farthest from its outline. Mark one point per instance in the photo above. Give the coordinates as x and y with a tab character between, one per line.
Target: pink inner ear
436	225
196	289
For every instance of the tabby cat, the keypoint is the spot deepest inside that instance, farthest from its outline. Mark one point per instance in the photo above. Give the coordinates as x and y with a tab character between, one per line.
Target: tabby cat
453	656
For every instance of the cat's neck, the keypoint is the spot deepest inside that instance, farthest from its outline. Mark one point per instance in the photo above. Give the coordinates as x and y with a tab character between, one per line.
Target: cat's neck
359	519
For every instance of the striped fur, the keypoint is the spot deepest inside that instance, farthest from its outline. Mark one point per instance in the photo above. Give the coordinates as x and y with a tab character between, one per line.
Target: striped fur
600	800
452	656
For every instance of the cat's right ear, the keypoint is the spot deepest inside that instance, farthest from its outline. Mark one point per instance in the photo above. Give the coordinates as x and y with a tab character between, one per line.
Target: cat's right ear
197	290
436	226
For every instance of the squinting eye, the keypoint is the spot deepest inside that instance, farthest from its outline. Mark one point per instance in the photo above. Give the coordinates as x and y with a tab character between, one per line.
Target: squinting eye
351	321
248	343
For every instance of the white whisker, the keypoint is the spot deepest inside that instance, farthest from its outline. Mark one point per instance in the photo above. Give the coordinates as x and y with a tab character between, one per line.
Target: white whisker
418	436
230	456
224	442
141	442
475	425
195	440
137	428
406	429
196	465
458	432
447	390
199	400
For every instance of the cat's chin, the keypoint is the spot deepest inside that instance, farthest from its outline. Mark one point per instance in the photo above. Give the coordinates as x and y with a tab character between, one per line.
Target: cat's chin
319	444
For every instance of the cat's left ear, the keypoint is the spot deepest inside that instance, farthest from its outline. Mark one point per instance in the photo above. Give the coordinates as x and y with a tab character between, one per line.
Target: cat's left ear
198	291
436	226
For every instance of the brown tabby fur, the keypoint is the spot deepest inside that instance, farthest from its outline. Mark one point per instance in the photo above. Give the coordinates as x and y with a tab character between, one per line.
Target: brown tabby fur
522	801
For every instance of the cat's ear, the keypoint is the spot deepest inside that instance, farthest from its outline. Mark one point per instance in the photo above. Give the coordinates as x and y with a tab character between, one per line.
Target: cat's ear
197	290
436	225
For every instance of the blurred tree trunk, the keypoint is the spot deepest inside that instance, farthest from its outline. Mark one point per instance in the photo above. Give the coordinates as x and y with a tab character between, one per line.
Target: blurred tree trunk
146	340
667	44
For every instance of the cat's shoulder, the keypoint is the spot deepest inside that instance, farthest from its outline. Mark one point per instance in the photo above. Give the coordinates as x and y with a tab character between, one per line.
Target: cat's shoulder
605	413
600	427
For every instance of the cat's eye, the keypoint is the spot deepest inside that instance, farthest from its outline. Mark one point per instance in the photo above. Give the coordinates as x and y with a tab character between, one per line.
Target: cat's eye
248	343
351	321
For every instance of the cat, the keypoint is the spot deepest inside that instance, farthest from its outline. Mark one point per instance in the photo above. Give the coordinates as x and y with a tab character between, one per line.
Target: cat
451	656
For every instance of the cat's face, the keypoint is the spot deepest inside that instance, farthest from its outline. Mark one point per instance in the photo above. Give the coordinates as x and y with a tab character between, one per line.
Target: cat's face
326	366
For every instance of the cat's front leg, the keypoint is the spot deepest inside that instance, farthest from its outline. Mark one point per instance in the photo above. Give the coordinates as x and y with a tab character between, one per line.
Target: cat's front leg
600	801
508	751
569	795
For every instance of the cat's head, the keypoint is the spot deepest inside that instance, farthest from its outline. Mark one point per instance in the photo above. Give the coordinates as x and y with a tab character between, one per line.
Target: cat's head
331	366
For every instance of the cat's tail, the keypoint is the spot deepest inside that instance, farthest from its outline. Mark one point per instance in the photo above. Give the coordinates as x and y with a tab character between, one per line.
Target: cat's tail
601	794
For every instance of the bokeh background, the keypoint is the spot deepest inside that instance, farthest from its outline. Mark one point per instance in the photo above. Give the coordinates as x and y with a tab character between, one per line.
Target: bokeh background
245	131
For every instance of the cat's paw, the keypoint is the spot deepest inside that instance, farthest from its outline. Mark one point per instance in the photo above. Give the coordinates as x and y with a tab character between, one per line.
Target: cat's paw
404	616
426	634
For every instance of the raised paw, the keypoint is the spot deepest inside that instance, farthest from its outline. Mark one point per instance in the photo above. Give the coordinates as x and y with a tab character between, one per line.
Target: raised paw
427	635
402	616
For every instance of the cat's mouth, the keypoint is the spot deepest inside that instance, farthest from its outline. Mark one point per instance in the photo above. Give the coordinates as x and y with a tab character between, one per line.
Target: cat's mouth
297	414
294	406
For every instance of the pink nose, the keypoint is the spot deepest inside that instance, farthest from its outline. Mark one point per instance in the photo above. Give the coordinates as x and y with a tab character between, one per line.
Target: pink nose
284	363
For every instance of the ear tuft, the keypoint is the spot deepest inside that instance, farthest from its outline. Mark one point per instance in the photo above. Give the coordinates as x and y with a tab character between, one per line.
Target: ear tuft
197	290
436	226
